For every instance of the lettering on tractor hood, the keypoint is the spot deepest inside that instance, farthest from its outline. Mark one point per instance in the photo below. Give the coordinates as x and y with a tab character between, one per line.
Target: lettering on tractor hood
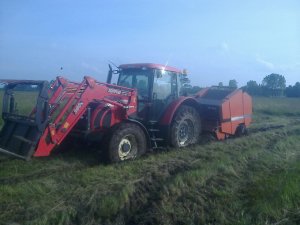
118	91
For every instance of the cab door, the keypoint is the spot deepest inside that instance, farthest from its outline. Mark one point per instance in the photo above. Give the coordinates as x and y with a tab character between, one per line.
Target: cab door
164	92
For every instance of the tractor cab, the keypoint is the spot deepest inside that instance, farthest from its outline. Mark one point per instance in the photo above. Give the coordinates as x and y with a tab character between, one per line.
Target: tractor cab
157	87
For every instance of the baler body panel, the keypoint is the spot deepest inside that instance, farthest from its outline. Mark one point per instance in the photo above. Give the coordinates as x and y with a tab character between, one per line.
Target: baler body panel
222	110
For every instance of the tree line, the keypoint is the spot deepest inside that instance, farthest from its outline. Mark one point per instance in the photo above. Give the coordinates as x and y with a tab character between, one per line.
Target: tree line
272	85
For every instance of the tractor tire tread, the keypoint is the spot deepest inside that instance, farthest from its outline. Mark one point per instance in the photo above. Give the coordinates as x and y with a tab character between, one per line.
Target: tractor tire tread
116	136
185	112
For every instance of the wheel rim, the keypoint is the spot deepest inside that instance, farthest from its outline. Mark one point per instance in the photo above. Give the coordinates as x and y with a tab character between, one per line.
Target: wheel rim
185	132
127	147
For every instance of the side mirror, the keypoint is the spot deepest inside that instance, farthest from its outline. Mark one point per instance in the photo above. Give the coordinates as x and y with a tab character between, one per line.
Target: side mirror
109	75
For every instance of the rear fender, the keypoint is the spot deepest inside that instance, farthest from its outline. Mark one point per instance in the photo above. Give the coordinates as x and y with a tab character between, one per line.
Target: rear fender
173	107
170	112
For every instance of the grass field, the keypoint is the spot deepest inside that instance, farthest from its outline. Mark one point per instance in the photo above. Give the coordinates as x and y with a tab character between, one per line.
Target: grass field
25	102
249	180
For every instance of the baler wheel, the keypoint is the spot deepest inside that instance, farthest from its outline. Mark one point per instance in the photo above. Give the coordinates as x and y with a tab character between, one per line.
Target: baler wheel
127	141
186	127
241	130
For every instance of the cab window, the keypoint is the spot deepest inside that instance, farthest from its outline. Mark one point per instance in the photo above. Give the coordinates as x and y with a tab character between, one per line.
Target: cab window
136	78
164	85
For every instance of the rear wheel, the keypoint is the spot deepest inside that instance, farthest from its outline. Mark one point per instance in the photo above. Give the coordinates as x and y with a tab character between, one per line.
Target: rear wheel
186	127
128	141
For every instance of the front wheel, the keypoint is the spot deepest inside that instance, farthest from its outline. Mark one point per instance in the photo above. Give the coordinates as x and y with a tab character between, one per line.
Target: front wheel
128	141
186	127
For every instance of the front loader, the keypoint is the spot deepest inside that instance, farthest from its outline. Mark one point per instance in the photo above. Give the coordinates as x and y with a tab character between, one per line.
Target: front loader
58	109
147	109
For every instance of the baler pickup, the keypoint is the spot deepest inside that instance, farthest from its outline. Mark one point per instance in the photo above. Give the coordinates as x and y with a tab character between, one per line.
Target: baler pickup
225	111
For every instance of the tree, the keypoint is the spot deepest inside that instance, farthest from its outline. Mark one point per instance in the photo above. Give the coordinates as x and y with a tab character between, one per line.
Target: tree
297	89
274	85
196	89
293	91
253	88
233	84
289	91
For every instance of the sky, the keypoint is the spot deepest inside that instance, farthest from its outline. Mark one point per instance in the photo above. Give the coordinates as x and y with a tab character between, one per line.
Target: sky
216	41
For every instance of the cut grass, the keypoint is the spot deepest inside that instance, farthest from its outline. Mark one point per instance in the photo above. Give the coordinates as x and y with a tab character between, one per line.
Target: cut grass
277	106
276	197
248	180
216	191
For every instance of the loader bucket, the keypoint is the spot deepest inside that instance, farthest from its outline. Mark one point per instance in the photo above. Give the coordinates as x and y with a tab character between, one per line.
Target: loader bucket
25	114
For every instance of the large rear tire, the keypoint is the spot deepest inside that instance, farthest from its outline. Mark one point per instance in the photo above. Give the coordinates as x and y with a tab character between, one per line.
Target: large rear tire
127	141
186	127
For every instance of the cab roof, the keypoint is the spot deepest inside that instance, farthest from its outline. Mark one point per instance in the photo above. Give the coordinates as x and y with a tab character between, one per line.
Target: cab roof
151	66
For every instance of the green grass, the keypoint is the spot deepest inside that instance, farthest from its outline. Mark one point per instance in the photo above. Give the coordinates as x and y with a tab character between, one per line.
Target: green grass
25	102
276	196
277	106
249	180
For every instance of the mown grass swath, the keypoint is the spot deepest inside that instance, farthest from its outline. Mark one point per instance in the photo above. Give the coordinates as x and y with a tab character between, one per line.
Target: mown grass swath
249	180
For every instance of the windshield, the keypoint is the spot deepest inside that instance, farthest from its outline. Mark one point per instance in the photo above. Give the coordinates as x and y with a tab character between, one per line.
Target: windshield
136	78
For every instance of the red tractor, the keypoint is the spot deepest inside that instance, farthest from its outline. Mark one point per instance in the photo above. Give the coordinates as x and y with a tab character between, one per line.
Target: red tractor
147	108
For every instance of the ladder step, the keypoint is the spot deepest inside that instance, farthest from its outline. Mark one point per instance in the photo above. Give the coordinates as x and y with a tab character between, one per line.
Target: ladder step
153	130
157	139
152	122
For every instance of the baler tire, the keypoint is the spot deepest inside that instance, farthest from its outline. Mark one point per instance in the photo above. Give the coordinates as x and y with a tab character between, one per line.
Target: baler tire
130	136
185	118
241	130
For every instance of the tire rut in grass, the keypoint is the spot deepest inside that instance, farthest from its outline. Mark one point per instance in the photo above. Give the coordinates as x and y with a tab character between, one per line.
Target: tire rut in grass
146	213
292	123
154	184
41	174
147	190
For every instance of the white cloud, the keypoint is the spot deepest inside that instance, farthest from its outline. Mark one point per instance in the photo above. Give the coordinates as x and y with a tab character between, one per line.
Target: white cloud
88	66
224	46
289	67
278	67
220	48
265	63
